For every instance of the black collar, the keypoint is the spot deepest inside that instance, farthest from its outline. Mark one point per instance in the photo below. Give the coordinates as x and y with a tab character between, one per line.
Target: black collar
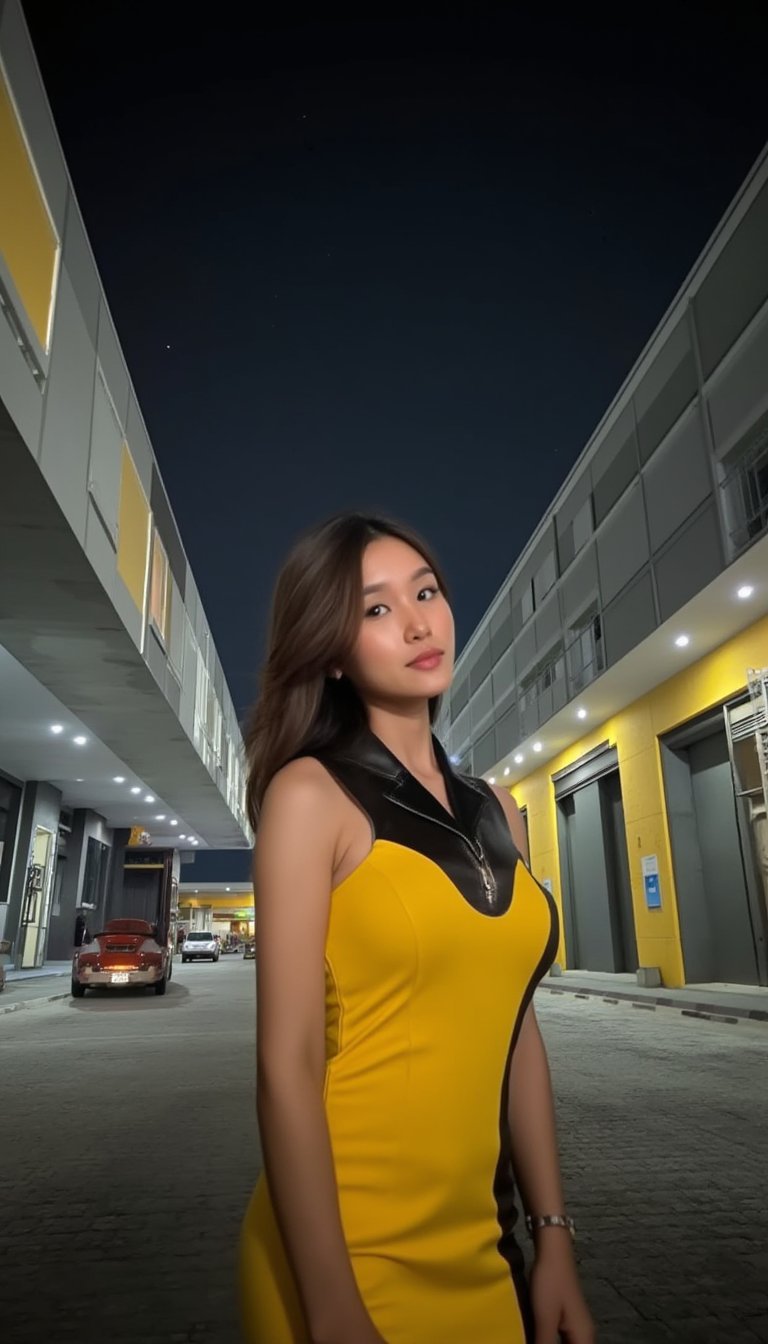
467	796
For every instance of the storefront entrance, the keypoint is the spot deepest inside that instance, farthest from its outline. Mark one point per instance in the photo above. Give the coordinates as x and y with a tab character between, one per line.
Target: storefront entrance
35	910
719	893
594	867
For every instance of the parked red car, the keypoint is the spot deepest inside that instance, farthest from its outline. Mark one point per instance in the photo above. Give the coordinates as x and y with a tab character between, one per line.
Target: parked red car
126	953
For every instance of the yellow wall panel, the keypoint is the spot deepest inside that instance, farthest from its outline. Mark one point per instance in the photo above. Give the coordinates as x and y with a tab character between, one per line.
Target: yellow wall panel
133	537
635	731
28	241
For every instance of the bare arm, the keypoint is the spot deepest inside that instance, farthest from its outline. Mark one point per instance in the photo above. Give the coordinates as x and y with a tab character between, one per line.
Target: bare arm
531	1105
293	867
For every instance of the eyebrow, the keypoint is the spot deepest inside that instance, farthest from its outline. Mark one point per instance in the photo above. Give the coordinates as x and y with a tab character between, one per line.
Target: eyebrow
419	574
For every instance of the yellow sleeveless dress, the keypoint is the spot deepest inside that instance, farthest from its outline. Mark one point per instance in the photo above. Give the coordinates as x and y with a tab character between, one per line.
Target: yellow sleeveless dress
434	948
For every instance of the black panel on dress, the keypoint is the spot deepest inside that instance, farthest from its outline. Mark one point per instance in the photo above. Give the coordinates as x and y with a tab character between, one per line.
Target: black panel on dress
474	847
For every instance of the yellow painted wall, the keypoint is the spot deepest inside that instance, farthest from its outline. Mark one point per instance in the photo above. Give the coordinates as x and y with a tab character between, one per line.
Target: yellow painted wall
28	240
635	732
134	524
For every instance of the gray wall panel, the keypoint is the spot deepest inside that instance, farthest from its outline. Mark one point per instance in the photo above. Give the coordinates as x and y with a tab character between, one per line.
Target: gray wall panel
525	650
481	703
479	662
507	732
127	610
740	394
504	676
21	67
82	271
139	445
112	364
667	388
580	585
614	464
622	544
20	394
155	659
485	754
169	533
66	440
677	479
691	562
100	551
546	622
735	288
629	619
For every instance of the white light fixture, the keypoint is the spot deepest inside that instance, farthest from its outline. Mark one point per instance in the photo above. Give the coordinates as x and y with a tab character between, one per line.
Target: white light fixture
491	779
195	842
160	816
537	746
506	769
182	837
174	823
80	741
79	781
229	888
119	779
196	891
581	713
135	789
519	758
149	798
57	727
683	641
746	590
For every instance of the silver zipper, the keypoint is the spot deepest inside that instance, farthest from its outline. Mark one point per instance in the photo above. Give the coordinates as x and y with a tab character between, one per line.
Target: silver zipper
483	866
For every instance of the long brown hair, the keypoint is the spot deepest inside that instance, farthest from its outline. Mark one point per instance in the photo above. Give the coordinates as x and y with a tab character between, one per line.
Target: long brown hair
316	616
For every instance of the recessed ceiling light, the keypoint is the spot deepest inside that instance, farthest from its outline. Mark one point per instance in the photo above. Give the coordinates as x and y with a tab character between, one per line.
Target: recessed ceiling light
182	837
229	888
195	842
506	769
57	727
174	823
492	779
119	779
79	781
160	816
746	590
149	798
196	891
683	641
135	789
519	758
537	746
80	741
581	713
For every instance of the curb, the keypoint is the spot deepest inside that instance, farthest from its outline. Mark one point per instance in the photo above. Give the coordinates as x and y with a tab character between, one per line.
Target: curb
31	1003
712	1012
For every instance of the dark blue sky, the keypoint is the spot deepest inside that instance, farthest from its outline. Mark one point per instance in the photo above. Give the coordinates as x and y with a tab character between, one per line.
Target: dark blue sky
401	263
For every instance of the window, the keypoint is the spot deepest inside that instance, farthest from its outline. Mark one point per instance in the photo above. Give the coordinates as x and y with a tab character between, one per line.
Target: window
95	879
585	656
158	588
746	491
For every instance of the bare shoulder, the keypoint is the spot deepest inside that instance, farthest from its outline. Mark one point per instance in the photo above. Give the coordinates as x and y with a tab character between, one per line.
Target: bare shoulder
514	817
300	786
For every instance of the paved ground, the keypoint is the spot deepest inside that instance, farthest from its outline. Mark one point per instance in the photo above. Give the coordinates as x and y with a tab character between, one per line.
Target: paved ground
129	1148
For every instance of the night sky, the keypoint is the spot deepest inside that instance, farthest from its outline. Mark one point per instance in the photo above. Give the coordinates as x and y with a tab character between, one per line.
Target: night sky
402	263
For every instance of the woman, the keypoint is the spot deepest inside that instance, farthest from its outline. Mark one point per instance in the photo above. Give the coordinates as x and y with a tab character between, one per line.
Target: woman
401	1074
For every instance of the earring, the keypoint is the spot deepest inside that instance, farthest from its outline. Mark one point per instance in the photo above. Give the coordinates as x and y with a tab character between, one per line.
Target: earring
335	675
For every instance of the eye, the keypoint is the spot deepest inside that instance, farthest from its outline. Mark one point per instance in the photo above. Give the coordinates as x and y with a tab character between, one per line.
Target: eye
374	611
432	590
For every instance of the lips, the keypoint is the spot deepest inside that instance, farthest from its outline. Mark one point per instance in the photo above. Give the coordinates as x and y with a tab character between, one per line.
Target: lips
427	660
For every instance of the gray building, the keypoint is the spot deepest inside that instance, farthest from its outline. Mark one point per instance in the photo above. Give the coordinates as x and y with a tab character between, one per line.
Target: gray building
117	729
624	635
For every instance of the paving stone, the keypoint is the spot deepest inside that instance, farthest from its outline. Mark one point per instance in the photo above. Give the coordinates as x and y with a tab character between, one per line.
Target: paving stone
130	1150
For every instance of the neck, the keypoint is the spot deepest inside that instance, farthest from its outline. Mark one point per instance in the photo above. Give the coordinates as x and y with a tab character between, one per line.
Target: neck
408	734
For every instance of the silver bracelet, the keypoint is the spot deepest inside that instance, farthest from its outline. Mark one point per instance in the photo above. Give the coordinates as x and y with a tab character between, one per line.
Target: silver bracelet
536	1221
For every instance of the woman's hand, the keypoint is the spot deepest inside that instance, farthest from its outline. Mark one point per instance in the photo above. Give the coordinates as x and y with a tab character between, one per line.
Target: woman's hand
559	1309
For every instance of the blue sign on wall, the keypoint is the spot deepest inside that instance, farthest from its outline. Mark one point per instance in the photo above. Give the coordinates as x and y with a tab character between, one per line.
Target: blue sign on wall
651	884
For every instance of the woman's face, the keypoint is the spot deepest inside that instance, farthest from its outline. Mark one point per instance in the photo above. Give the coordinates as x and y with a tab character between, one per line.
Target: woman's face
405	648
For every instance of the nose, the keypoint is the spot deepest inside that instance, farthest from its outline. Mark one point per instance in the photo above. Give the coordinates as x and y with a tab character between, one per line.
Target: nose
417	627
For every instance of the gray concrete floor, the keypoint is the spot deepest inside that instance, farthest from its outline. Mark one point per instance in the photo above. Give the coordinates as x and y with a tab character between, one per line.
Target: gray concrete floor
129	1151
